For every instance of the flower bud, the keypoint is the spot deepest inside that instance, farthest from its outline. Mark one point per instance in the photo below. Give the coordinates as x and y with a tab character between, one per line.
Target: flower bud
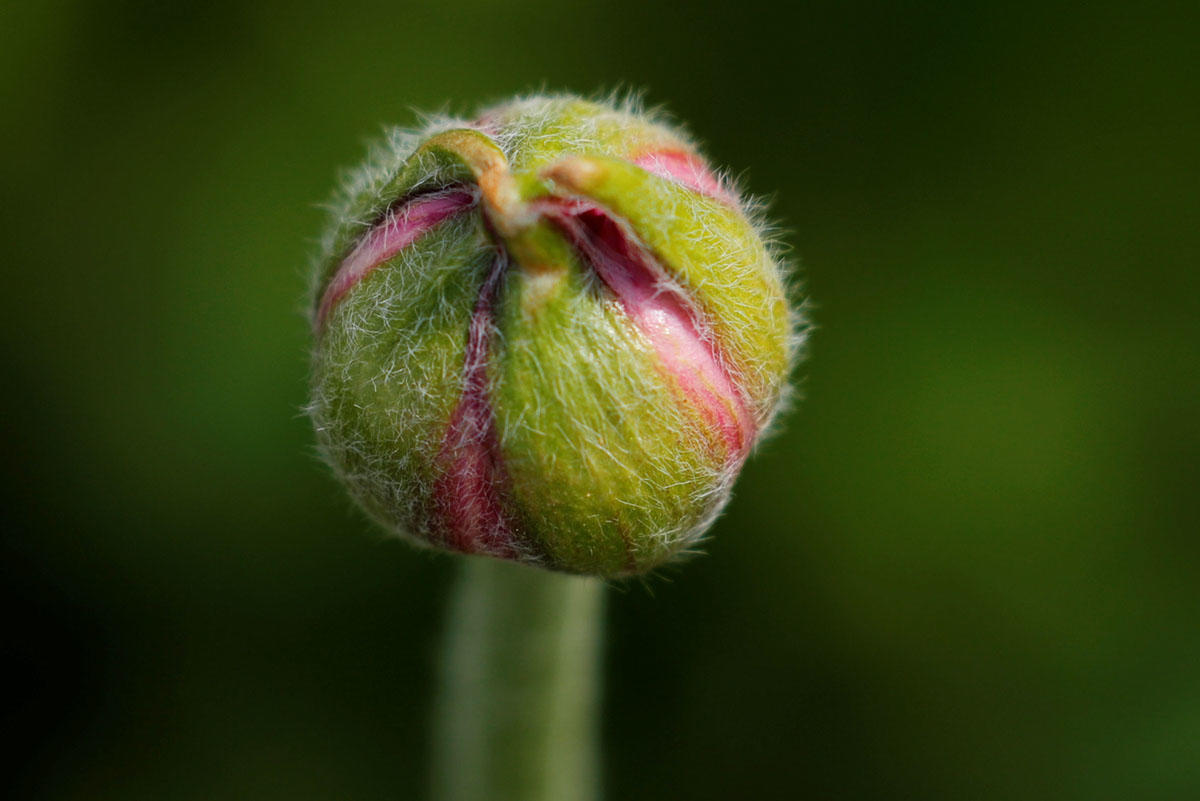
551	334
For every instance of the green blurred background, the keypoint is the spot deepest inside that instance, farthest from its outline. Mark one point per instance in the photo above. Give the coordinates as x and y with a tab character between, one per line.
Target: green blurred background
966	570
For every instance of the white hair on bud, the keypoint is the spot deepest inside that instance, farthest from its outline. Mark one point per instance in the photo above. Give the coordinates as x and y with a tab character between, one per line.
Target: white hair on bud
582	411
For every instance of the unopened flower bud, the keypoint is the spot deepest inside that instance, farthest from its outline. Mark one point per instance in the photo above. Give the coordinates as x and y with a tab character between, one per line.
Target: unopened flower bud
551	334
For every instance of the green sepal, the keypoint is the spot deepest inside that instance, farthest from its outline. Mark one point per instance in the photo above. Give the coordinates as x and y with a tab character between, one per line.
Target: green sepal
591	431
446	158
388	371
716	255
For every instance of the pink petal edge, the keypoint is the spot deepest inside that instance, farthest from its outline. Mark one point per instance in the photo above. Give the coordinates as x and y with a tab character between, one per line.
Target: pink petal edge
398	230
668	321
686	169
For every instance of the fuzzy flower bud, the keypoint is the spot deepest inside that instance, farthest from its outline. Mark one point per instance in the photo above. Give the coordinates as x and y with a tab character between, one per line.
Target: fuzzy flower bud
551	334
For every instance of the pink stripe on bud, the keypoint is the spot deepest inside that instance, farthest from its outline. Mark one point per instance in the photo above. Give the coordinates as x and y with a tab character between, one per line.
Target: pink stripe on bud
686	169
466	495
399	229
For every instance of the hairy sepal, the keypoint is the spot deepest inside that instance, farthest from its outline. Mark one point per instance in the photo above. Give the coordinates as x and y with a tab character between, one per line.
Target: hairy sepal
611	472
388	370
714	253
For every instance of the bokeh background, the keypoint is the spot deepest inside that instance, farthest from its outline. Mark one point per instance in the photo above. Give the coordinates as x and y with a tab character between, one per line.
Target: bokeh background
968	568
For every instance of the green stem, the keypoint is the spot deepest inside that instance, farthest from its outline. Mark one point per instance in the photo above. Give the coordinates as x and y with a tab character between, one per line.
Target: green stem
516	719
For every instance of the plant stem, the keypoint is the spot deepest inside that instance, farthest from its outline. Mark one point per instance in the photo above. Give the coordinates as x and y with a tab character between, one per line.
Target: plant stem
516	719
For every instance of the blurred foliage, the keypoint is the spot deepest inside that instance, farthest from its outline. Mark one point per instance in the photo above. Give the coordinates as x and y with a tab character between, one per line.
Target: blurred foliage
967	567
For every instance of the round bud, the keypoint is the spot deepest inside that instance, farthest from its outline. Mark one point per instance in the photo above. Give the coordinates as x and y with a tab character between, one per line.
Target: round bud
551	334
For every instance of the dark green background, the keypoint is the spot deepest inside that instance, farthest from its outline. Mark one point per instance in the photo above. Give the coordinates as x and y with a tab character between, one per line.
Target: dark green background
968	569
